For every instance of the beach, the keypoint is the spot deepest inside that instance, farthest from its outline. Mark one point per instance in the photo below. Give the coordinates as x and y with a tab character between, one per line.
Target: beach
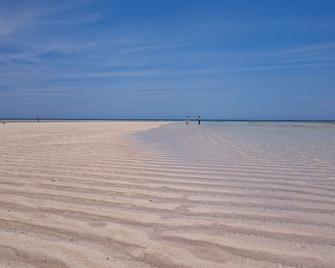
162	194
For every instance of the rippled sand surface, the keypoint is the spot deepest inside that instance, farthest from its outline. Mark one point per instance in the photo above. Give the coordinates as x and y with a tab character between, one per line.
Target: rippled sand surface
99	194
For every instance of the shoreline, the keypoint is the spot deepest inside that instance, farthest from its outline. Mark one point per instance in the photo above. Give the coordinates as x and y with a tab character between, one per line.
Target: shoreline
170	120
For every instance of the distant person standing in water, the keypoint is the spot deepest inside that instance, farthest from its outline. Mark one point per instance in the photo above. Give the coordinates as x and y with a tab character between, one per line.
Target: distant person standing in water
199	121
187	120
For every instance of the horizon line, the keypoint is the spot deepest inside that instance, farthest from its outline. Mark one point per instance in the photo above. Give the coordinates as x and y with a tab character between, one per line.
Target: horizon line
160	119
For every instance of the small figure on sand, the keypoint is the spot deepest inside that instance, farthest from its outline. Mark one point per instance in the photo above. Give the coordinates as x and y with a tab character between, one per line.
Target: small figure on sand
199	120
187	120
38	119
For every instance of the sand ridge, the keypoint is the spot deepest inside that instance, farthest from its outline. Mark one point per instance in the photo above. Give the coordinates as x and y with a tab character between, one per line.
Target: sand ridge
89	194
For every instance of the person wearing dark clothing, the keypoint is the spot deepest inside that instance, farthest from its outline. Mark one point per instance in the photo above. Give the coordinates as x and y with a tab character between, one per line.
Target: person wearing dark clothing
187	120
199	120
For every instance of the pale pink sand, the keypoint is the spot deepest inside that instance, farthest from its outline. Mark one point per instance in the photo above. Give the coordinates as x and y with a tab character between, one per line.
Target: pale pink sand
91	195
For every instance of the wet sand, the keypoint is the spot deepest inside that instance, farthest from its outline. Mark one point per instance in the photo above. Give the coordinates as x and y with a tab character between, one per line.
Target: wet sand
95	194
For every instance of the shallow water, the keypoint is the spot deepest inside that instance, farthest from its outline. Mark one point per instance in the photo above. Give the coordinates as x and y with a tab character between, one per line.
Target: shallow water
221	140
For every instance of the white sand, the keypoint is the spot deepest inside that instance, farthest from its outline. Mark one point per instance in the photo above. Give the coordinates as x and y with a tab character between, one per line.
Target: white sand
92	194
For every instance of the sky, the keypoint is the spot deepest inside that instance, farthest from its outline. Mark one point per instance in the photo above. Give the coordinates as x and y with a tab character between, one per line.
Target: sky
264	59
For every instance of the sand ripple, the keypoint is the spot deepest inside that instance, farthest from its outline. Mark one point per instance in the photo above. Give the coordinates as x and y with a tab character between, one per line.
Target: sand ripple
92	195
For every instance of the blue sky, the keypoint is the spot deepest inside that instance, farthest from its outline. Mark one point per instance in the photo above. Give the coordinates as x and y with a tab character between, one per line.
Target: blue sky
260	59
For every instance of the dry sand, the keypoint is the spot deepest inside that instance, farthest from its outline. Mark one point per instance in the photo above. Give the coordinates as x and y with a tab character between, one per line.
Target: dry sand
90	194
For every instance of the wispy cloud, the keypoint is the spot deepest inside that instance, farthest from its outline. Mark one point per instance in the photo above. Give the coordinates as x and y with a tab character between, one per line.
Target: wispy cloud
319	47
111	74
88	48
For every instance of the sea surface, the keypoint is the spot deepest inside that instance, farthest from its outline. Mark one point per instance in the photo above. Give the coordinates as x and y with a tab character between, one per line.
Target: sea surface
310	141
